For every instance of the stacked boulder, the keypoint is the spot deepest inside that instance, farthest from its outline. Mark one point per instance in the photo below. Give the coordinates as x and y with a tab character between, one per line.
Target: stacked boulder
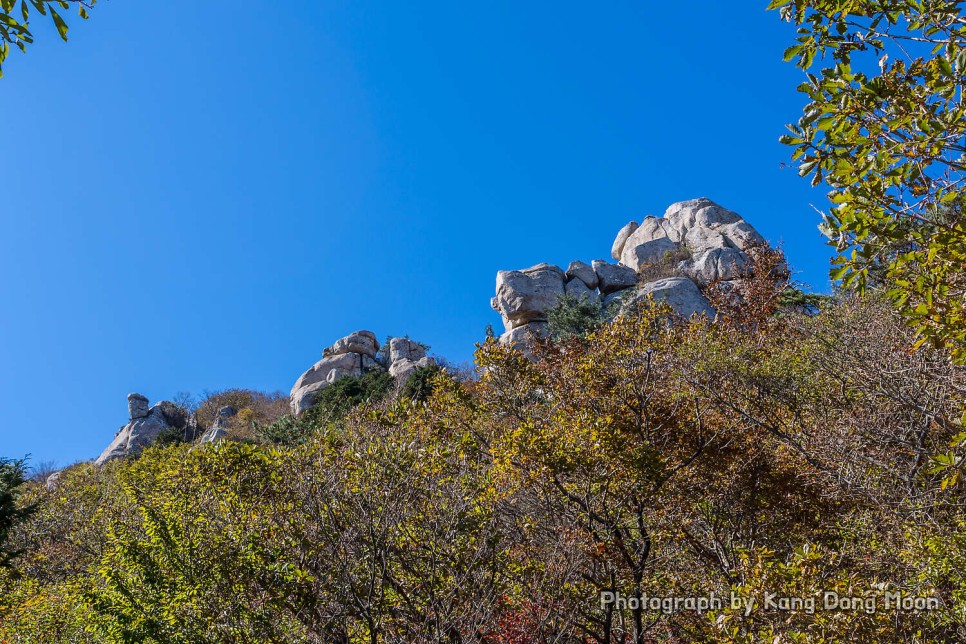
354	355
405	356
713	237
697	242
144	426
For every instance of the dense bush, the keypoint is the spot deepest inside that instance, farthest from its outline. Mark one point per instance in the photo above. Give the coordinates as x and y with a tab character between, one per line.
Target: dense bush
345	393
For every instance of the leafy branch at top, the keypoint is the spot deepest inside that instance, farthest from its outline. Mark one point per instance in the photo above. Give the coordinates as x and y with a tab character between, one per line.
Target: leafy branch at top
15	19
884	128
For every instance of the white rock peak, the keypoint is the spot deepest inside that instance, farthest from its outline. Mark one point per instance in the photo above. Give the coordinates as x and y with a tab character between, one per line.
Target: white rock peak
671	258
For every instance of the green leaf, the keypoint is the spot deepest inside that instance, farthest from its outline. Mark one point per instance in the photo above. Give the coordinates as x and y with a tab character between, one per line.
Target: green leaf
791	52
945	66
59	22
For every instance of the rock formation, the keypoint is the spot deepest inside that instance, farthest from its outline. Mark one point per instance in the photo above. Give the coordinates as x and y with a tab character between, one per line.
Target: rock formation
144	426
354	355
219	428
524	296
669	258
712	237
695	243
405	356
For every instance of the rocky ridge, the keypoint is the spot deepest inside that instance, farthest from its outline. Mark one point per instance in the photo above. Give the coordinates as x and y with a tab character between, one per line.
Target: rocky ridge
695	243
353	355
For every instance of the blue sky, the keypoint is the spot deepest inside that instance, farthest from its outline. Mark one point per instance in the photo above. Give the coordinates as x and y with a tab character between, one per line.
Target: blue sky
205	196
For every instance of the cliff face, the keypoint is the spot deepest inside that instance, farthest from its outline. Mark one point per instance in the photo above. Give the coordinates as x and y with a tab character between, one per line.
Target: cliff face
695	243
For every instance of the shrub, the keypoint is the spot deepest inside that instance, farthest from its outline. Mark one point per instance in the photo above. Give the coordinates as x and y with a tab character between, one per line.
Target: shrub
419	385
265	407
576	317
667	266
287	431
345	393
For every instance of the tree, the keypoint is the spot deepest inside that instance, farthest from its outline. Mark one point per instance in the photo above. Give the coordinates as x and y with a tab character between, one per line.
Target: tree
13	474
884	129
15	28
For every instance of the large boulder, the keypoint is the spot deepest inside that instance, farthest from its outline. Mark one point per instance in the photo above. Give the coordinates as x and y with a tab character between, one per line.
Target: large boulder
347	363
325	372
648	245
618	247
584	272
699	240
695	243
354	355
576	288
142	428
405	349
613	277
361	342
405	356
712	237
680	293
716	264
137	406
650	252
303	398
696	213
526	296
524	337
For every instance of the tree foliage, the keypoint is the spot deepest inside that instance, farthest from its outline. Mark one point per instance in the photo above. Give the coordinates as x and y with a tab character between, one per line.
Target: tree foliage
16	21
884	129
791	453
13	475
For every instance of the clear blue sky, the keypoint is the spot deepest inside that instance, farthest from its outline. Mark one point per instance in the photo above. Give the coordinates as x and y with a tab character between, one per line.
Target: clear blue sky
204	195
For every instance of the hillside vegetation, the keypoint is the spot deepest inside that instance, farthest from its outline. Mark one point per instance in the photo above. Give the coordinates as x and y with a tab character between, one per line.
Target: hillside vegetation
791	450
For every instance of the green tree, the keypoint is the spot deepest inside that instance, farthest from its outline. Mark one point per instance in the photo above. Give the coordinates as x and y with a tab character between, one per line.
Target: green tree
15	19
884	128
12	477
